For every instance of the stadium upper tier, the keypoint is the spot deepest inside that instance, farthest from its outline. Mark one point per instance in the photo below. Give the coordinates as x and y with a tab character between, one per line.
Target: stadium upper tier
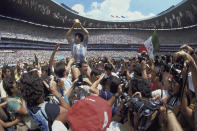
16	34
12	29
50	13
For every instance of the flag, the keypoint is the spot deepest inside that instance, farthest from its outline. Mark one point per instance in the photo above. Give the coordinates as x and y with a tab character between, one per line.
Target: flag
142	48
151	45
155	41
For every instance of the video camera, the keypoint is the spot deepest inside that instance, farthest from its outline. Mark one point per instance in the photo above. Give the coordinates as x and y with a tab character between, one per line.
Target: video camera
80	81
147	111
142	57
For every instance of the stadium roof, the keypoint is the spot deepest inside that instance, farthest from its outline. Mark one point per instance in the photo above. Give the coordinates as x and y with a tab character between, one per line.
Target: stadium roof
51	13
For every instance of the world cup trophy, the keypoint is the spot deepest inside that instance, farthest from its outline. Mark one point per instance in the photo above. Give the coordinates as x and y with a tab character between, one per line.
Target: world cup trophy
77	23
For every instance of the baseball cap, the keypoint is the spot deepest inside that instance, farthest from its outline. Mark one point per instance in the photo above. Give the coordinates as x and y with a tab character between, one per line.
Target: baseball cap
89	114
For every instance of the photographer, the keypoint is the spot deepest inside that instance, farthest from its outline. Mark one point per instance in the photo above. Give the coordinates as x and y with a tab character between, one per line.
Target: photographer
189	50
108	70
123	72
138	83
84	76
193	68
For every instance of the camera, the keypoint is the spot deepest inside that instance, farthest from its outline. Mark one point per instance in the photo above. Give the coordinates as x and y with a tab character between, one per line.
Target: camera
124	81
174	69
141	58
180	62
80	81
147	111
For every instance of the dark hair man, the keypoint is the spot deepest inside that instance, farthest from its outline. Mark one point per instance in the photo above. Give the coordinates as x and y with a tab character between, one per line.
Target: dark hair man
79	45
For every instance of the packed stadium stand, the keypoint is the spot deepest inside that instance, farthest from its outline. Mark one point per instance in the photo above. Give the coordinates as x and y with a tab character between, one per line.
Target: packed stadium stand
25	34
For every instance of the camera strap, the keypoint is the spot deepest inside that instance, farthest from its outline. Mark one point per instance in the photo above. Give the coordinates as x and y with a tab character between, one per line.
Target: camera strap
162	90
184	84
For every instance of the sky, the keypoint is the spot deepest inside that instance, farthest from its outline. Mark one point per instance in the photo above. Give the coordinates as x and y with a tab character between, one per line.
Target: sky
109	9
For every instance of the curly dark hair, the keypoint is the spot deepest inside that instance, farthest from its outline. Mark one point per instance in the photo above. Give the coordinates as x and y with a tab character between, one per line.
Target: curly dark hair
60	69
8	84
5	68
108	67
32	88
76	94
141	85
137	69
47	69
81	37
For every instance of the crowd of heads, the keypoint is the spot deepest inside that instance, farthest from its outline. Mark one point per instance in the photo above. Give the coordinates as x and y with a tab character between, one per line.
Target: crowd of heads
136	88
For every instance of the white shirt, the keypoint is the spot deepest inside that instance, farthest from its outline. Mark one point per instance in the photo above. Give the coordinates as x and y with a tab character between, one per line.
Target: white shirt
2	91
191	85
159	92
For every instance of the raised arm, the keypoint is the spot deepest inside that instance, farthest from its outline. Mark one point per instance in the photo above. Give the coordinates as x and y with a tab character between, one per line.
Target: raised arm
144	73
189	50
113	66
9	124
68	34
85	32
22	109
53	88
173	124
192	66
112	100
94	86
68	67
57	46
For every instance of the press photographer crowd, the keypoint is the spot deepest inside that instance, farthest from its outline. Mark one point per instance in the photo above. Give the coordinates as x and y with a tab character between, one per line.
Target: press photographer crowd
99	93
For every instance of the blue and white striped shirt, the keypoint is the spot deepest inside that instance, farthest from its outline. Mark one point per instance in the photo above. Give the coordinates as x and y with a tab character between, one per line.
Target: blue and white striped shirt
79	51
67	83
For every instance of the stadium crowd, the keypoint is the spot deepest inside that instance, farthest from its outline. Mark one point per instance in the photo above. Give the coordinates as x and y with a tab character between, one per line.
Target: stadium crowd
27	56
118	80
25	31
99	93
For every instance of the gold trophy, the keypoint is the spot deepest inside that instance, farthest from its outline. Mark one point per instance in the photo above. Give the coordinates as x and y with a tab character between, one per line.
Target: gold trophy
77	23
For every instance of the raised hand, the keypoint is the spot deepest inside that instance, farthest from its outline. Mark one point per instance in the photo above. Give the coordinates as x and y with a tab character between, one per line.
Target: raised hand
186	48
57	46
